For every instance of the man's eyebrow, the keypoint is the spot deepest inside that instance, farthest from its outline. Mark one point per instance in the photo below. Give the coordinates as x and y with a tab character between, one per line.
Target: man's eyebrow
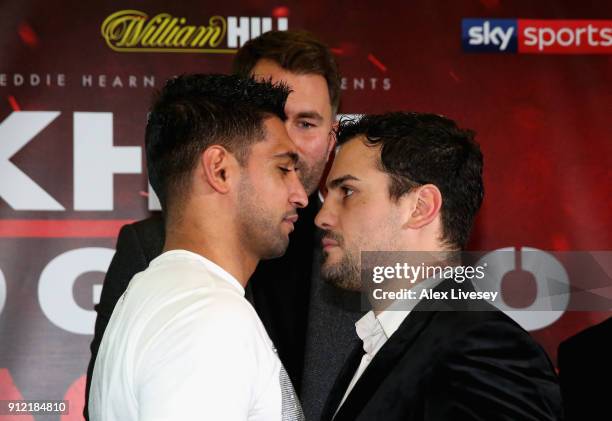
336	182
293	156
309	114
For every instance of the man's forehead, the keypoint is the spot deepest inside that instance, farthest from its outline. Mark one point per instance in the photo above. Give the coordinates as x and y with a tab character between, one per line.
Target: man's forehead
309	92
355	157
355	152
266	69
277	140
269	69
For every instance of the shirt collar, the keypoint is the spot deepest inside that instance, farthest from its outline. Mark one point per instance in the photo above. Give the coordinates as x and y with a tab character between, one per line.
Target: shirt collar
391	318
370	331
210	265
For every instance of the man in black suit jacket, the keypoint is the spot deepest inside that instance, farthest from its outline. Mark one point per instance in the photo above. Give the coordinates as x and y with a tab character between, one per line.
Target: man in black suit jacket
297	309
585	372
413	182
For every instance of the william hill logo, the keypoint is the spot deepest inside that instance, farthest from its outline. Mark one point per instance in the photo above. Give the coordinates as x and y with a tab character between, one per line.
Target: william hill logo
135	31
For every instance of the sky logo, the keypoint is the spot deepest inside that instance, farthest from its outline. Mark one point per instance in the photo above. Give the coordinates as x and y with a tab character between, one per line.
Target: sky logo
537	36
489	35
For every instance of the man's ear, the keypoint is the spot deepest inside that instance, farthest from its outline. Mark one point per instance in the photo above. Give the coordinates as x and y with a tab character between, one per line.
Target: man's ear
425	206
217	166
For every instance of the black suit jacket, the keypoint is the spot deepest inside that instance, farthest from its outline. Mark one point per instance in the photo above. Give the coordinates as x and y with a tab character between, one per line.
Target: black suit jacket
585	371
451	361
279	288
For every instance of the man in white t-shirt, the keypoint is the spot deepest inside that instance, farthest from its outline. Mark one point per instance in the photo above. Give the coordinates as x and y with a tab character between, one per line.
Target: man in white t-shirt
183	342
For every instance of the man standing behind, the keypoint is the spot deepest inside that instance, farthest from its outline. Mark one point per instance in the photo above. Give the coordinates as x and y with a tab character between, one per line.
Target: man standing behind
304	316
183	342
409	182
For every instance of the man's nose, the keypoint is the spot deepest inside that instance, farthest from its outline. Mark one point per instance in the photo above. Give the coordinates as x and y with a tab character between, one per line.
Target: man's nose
325	219
298	196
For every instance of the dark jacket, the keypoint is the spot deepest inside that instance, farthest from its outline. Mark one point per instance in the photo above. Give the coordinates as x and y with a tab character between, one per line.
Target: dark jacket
451	361
585	371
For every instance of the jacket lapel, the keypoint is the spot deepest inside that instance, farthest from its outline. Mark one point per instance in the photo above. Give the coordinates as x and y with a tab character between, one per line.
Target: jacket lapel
382	364
342	381
391	352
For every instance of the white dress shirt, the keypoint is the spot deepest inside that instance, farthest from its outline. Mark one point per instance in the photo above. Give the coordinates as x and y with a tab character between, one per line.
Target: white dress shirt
375	330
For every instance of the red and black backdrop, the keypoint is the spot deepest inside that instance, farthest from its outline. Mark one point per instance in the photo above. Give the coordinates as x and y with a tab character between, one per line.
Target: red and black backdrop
76	79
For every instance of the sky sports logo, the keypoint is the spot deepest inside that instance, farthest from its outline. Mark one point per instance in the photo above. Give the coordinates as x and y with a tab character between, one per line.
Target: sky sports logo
528	36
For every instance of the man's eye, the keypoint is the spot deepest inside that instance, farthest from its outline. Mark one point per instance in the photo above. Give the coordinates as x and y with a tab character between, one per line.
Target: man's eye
305	125
286	170
347	191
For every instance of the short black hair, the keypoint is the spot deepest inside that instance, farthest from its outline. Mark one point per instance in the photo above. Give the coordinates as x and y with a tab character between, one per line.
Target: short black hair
299	52
193	112
420	148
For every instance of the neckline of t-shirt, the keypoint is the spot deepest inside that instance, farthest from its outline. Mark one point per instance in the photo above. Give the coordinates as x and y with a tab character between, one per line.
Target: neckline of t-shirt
210	265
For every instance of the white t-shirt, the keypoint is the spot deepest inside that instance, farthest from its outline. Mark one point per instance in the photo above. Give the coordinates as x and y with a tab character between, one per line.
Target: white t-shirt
184	344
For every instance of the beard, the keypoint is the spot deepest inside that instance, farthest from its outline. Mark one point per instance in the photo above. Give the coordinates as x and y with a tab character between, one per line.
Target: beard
310	176
344	274
260	228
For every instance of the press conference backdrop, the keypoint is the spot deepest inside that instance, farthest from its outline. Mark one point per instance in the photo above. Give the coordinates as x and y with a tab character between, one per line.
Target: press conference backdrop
531	78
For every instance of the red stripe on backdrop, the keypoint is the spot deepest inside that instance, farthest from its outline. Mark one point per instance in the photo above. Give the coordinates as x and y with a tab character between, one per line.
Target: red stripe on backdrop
14	104
61	228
